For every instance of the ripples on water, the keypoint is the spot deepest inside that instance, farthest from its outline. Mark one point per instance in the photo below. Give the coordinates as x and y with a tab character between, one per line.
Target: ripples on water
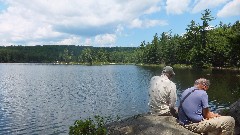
47	99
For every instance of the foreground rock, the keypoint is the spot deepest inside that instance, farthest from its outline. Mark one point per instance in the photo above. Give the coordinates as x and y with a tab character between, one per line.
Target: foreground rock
163	125
148	125
234	111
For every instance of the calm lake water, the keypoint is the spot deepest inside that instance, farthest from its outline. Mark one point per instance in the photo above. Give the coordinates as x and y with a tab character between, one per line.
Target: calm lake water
47	99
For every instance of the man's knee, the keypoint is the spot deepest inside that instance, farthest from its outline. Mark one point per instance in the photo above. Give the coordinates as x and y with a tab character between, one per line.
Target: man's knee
227	120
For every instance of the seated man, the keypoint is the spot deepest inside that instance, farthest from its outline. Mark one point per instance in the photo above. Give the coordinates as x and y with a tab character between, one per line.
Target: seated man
162	93
195	115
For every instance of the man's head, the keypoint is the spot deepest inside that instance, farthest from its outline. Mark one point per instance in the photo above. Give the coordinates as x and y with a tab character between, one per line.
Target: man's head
168	71
202	83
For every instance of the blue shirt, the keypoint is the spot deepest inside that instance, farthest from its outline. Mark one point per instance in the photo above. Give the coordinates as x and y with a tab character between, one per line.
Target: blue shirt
193	105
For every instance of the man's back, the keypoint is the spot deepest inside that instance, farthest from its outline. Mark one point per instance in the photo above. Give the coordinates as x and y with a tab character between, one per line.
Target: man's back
162	93
193	105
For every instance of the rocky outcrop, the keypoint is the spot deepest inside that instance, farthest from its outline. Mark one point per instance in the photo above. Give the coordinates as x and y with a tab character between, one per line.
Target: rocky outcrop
148	125
234	111
163	125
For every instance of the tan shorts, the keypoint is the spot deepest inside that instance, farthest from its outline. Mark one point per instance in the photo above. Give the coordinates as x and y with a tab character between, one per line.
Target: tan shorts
223	125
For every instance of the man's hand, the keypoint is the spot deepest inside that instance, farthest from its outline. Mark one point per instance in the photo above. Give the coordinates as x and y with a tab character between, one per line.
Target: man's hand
212	115
208	115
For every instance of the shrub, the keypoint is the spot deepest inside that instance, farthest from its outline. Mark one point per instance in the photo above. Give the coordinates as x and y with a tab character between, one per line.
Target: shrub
89	127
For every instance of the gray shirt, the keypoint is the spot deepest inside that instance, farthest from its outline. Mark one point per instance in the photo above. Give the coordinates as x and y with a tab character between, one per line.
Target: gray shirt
162	92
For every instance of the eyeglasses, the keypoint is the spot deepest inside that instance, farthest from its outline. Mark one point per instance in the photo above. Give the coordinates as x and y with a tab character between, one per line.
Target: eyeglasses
205	84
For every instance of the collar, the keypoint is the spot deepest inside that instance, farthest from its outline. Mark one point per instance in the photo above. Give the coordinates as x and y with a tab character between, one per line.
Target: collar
164	76
194	87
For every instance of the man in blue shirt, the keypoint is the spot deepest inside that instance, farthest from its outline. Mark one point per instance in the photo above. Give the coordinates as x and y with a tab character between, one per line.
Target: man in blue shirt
195	115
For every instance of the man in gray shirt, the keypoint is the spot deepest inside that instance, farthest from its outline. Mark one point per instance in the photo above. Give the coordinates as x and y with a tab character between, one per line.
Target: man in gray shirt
162	93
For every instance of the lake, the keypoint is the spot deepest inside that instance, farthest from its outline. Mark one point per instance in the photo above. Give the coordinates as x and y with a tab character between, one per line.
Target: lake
47	99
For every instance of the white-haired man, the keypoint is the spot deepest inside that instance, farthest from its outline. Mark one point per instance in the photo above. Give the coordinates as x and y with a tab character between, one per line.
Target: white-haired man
194	113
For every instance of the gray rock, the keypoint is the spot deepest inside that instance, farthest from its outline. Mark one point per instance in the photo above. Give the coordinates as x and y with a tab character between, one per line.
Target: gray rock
148	125
234	111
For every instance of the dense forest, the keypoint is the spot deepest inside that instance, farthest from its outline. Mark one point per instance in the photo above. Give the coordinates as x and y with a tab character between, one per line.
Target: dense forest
201	46
66	54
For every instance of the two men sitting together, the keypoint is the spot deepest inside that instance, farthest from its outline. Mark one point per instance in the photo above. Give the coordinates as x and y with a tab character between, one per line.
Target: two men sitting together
193	112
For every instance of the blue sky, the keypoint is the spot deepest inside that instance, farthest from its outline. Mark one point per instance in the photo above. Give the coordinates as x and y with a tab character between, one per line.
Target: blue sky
107	23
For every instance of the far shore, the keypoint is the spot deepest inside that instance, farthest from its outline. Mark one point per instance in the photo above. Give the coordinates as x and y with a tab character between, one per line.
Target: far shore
183	66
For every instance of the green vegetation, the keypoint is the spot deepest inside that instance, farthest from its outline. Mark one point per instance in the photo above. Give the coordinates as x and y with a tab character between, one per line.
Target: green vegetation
69	54
89	127
202	46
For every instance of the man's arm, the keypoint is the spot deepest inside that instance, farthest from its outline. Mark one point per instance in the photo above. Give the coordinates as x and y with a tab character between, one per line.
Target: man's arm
207	114
173	96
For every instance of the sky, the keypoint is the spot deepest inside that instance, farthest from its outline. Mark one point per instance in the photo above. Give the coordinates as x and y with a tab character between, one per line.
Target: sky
104	23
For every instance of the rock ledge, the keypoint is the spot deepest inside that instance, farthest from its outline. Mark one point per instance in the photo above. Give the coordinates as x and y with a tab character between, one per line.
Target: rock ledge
148	125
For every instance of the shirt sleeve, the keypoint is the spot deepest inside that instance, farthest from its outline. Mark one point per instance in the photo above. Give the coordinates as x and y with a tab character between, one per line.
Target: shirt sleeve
173	95
205	100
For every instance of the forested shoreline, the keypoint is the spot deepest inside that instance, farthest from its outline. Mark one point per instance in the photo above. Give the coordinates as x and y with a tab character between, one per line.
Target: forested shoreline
66	54
201	46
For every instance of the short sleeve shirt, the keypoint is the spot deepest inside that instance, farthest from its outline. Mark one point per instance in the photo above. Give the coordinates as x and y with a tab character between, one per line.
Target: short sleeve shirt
162	94
193	105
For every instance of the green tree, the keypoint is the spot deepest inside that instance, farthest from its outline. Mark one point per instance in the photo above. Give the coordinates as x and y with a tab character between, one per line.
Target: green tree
66	56
139	53
234	41
200	53
219	46
101	55
163	47
168	48
191	41
153	51
206	18
173	46
87	56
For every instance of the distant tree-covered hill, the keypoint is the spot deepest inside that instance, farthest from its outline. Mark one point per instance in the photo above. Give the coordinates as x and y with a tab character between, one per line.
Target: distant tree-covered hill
64	53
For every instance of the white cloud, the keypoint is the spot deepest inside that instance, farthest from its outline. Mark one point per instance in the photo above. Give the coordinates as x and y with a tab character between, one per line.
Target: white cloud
88	42
230	9
70	41
137	23
177	6
106	39
59	20
153	9
207	4
151	23
21	25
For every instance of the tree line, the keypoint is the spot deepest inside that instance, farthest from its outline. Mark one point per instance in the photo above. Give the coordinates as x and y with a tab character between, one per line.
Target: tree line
66	54
201	46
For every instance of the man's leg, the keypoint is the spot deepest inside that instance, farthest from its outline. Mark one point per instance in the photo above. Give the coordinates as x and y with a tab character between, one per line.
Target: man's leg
224	125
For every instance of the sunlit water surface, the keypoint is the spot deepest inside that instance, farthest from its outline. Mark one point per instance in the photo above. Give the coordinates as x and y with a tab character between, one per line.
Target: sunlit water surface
47	99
